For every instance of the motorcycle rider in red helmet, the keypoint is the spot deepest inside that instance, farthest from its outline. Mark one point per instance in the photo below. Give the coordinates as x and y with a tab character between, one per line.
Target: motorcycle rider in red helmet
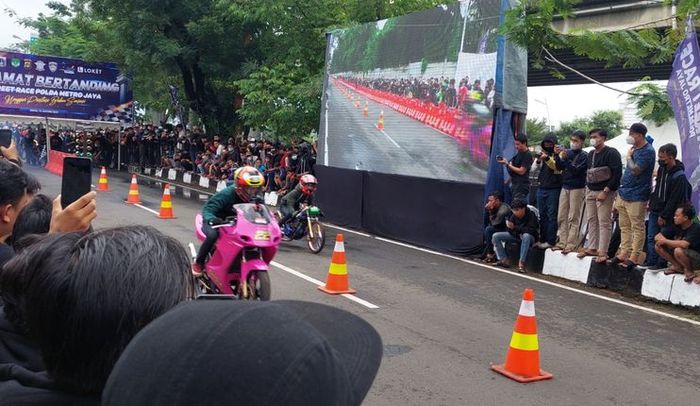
303	193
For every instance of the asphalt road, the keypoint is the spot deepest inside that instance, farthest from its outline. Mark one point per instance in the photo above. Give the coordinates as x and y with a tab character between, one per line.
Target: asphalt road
444	321
404	147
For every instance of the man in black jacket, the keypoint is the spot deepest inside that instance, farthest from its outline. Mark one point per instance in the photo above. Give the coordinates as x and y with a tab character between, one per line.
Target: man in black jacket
498	212
548	192
672	190
573	163
603	179
523	227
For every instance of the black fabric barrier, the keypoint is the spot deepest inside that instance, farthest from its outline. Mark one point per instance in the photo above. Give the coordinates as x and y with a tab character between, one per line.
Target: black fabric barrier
340	195
443	215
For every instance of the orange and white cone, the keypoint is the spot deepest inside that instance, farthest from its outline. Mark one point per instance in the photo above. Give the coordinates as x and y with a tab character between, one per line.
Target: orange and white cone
337	282
103	185
134	197
380	122
523	357
166	205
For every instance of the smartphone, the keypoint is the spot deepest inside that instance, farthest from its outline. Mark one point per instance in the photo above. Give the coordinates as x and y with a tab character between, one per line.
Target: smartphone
77	179
5	138
499	158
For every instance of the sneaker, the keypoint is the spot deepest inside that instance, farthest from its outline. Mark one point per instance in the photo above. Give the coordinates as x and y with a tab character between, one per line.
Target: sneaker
197	270
285	238
544	245
643	267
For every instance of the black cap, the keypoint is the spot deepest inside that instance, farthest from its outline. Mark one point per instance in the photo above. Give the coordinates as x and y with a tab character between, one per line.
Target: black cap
248	353
638	128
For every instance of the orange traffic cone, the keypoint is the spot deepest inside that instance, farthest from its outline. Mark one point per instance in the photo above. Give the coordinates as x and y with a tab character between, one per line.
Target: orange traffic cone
523	357
337	282
102	185
380	122
166	205
134	197
366	110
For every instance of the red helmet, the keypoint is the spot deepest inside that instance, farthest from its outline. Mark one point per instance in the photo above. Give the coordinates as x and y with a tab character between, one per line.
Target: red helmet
308	184
248	181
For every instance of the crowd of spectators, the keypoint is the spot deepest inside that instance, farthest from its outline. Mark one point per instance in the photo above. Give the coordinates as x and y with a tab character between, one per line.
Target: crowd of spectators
90	317
440	92
597	204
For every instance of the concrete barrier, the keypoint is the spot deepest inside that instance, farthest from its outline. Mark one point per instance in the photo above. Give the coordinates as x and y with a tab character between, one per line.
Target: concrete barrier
657	286
684	293
566	266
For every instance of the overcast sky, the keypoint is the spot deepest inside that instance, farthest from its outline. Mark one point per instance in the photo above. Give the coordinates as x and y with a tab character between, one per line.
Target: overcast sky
23	8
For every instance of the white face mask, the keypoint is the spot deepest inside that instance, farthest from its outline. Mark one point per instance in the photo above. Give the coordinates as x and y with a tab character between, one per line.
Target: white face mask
630	140
594	142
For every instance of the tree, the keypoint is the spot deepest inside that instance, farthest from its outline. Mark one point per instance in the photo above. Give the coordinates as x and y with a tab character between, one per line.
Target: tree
529	24
608	120
536	130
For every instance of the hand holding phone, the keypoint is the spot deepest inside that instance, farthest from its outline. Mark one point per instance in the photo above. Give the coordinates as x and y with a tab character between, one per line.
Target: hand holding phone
76	217
77	179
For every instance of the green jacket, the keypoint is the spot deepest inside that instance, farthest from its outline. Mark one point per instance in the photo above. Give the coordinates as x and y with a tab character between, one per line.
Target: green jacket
221	205
294	199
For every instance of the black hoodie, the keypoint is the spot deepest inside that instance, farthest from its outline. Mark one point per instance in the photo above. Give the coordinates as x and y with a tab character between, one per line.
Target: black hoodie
550	176
670	191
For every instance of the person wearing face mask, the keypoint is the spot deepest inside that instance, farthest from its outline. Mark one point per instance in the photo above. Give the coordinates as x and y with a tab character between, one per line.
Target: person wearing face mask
603	173
573	164
550	182
634	193
672	190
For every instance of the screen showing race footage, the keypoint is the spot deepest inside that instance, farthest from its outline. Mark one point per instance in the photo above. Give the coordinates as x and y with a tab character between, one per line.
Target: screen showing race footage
413	95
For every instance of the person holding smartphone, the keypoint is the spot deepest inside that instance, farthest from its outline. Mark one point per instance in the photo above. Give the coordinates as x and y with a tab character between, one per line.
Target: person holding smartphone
519	169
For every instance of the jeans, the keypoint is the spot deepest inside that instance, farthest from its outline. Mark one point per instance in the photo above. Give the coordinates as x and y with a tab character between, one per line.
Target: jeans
287	214
208	244
653	228
520	190
489	231
548	204
500	239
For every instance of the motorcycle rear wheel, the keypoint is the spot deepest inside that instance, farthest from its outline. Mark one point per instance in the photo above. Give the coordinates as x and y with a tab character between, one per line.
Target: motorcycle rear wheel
318	241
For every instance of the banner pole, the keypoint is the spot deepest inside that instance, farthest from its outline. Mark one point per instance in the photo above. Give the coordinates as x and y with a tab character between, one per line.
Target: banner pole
48	142
119	150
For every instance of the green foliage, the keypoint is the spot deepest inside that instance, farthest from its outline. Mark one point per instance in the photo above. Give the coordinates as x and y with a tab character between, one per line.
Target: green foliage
652	103
536	130
609	120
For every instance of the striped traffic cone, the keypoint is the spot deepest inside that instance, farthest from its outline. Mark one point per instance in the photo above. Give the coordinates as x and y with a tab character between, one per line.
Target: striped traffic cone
523	357
134	197
103	185
337	282
166	205
380	122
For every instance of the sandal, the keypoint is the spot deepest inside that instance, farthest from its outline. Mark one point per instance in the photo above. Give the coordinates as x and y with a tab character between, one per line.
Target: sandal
696	280
601	260
627	265
586	253
689	278
557	248
565	251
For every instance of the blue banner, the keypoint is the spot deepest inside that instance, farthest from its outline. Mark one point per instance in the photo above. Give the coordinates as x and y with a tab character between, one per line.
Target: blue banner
684	92
47	86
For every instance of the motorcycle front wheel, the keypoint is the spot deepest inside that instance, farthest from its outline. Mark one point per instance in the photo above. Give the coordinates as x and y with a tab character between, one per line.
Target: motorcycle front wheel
318	241
259	286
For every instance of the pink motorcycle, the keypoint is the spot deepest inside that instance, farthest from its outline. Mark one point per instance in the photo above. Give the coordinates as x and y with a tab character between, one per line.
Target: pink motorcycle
239	262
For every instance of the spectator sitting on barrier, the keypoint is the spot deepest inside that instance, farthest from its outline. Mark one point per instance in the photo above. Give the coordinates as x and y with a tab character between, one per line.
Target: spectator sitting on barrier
82	310
680	244
633	196
548	191
498	212
519	168
604	170
672	190
573	164
523	227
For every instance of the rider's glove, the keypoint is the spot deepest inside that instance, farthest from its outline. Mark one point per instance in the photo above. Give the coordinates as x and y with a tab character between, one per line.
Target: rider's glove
215	221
